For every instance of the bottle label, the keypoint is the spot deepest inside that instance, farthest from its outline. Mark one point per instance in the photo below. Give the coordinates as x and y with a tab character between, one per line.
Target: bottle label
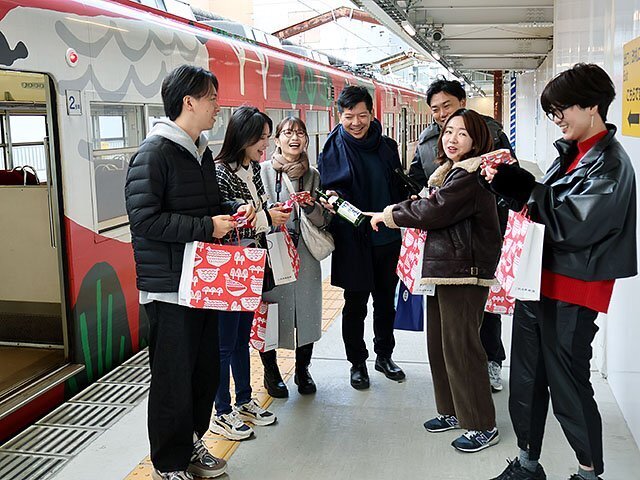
349	212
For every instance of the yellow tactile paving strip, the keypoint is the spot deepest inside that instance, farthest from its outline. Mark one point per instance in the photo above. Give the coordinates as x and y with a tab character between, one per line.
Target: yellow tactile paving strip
332	302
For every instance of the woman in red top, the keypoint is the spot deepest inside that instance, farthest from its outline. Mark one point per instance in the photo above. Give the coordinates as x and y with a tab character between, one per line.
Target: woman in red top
587	202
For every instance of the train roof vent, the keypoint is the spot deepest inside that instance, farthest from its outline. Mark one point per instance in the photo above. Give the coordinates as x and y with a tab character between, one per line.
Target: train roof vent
244	31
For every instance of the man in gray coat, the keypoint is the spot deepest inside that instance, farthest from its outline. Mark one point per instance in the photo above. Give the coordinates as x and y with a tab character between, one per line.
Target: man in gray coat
445	97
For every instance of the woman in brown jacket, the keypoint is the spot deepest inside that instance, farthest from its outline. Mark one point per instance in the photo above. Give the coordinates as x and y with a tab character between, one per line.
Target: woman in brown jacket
460	257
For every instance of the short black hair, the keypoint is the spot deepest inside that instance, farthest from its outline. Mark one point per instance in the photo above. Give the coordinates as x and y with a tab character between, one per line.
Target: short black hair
182	81
245	129
451	87
584	84
353	95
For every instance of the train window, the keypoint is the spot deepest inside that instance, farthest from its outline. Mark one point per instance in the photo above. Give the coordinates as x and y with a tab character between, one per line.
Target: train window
116	126
23	141
318	129
117	133
154	113
216	134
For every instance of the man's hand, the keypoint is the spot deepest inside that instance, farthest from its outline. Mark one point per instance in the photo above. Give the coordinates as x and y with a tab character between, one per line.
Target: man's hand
222	224
248	212
377	218
278	216
326	204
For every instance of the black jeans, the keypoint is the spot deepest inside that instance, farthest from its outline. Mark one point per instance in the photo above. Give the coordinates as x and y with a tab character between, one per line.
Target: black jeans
354	312
185	370
550	356
491	337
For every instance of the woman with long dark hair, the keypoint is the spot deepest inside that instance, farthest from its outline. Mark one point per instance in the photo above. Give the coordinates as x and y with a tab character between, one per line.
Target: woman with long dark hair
587	203
460	258
300	302
238	172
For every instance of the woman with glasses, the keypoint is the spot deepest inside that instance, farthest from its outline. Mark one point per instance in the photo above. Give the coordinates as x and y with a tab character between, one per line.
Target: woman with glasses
587	203
300	302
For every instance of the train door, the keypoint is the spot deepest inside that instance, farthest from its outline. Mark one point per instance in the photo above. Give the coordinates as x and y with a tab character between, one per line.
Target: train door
33	339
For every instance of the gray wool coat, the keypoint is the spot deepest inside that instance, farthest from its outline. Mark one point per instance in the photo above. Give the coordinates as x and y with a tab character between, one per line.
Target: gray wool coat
300	302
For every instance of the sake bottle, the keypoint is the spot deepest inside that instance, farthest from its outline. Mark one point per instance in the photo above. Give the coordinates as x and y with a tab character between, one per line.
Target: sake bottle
343	208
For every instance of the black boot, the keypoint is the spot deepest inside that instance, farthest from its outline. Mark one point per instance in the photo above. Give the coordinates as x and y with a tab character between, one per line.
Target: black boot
302	377
272	378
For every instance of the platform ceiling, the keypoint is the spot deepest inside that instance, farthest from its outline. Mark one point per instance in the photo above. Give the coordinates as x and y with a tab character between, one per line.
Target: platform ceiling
476	35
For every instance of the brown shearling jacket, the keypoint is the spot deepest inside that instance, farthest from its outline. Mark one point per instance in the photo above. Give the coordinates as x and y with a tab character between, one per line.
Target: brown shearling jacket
464	240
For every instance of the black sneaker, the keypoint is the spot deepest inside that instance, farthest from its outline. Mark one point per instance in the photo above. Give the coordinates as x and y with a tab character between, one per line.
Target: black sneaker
475	440
442	423
515	471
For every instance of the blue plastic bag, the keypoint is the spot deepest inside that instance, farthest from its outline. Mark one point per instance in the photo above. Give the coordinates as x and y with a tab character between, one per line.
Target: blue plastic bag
409	311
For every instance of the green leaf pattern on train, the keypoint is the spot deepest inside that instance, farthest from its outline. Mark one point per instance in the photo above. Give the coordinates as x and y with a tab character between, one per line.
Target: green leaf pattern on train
313	89
103	336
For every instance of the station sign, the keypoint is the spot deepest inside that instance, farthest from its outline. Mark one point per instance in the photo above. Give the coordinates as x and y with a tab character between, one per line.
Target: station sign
631	89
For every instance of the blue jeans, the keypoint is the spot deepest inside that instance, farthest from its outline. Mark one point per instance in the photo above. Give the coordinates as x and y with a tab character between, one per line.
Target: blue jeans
234	329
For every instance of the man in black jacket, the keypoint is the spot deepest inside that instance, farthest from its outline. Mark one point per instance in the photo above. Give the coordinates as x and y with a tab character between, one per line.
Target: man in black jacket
445	97
357	162
172	198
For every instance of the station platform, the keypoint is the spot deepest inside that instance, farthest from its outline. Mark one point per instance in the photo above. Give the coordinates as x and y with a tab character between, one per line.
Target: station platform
342	433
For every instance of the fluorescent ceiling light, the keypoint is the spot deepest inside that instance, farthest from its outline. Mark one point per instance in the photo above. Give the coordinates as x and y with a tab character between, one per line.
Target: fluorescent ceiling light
408	28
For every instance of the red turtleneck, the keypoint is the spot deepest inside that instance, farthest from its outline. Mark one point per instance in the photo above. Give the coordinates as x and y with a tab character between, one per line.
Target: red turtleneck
593	295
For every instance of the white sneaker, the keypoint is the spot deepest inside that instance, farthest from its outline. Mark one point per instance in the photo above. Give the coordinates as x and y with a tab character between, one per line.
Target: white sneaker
254	413
494	376
230	426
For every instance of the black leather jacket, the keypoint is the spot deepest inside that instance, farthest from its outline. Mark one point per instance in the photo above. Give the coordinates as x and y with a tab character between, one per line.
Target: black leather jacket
590	213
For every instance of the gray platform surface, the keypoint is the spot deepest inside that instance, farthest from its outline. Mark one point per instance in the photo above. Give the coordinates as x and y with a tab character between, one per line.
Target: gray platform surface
341	433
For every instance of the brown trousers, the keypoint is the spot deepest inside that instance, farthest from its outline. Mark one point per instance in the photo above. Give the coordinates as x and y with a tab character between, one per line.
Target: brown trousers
458	361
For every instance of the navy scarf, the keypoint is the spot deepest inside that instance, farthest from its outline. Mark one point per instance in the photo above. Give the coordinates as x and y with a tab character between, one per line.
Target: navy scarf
342	169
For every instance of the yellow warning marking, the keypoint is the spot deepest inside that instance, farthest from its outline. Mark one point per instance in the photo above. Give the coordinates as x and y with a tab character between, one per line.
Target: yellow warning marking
332	302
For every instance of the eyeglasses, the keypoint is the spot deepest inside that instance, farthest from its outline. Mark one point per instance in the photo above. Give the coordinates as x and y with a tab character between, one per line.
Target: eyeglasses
557	113
290	133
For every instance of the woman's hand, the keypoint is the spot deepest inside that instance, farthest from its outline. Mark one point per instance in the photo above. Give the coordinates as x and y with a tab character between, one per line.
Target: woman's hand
222	224
488	173
248	212
310	203
377	218
327	205
278	215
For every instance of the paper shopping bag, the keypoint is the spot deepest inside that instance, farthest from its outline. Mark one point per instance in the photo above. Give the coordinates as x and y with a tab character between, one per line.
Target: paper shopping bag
499	302
409	267
222	277
283	257
264	329
409	311
520	267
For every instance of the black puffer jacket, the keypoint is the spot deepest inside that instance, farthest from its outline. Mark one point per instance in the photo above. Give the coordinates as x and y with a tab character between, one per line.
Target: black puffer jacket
170	200
589	214
463	240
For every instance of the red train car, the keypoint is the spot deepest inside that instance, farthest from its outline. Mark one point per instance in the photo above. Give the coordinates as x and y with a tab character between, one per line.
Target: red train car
80	84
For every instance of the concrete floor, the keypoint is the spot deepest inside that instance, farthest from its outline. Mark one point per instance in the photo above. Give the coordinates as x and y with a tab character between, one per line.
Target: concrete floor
341	433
